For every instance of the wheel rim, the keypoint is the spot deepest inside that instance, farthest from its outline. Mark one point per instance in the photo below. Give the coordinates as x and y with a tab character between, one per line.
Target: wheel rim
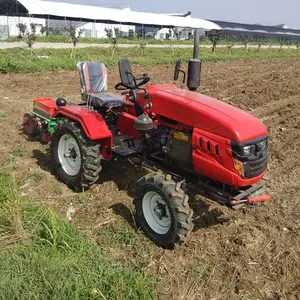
156	212
69	155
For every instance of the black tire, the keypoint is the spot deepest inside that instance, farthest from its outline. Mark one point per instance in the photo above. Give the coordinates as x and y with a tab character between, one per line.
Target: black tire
90	164
177	203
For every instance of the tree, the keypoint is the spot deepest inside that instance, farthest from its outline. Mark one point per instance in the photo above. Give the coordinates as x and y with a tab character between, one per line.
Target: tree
229	46
260	42
245	41
282	40
109	33
114	38
29	37
75	39
22	29
214	36
173	35
44	30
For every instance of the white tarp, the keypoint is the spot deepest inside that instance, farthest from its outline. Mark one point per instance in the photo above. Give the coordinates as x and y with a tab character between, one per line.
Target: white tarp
94	13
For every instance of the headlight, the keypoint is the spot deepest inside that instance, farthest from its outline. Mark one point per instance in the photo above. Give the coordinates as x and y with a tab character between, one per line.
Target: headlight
261	145
248	150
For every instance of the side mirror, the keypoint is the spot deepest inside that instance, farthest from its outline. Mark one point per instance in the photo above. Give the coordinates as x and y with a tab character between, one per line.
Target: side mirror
177	69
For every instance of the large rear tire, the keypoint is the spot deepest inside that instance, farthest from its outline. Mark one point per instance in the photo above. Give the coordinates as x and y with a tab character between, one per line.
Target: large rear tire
162	210
77	160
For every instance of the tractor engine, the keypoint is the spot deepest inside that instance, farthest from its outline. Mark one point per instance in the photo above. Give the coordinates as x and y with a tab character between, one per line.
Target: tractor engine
169	146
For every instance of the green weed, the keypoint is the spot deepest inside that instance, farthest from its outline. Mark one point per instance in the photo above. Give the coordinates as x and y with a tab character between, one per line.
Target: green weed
17	152
56	261
82	197
3	116
11	60
85	40
38	177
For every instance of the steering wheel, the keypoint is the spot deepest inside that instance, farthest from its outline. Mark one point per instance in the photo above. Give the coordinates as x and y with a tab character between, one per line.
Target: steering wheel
121	86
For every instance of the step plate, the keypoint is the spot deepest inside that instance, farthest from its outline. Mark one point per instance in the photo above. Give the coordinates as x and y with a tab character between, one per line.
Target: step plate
121	147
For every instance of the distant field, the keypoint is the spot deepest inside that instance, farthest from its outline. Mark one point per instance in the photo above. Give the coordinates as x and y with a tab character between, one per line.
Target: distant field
66	39
20	60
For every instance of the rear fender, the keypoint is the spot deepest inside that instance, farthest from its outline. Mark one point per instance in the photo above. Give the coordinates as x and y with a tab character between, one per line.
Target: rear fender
92	124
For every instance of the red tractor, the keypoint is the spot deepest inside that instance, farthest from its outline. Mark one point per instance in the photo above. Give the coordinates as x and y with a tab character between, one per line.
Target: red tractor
183	136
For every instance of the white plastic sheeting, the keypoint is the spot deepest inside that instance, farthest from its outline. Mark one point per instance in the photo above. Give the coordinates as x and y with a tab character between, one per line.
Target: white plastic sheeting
286	32
126	16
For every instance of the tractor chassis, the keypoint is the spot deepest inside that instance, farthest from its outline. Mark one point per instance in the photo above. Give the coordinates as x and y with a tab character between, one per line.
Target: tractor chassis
192	182
252	195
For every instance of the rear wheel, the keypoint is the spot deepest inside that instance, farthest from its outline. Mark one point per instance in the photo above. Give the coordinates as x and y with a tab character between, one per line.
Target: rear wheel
162	210
77	160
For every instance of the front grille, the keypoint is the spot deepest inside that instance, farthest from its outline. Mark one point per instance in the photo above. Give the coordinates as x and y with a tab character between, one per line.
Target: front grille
255	164
254	168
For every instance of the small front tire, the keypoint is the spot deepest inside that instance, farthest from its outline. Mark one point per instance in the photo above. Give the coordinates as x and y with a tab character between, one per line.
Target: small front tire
162	210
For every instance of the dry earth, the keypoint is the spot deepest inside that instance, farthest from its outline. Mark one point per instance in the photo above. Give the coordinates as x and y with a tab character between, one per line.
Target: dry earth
255	255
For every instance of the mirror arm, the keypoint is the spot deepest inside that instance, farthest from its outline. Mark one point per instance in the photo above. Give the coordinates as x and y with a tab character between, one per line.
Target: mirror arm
184	75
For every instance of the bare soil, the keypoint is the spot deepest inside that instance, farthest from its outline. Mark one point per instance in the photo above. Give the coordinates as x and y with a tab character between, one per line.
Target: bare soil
253	255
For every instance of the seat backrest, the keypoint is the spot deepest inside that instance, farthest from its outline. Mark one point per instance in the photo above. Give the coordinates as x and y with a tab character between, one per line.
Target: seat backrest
126	78
93	76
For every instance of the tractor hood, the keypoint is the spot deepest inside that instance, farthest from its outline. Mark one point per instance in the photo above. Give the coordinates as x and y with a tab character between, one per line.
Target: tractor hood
206	113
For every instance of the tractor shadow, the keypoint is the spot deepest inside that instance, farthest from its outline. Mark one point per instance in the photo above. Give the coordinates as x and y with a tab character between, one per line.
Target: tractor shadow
206	215
127	215
43	160
125	175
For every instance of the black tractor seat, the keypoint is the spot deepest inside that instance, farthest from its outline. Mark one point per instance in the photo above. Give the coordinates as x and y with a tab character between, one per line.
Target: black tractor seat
103	100
93	80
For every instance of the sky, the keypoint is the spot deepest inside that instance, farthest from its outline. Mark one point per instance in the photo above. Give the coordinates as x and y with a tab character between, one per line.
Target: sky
265	12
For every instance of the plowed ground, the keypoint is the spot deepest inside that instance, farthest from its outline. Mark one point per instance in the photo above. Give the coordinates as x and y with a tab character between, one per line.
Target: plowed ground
253	255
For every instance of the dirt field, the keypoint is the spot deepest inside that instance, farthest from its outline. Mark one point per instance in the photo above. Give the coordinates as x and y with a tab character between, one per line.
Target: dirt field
254	255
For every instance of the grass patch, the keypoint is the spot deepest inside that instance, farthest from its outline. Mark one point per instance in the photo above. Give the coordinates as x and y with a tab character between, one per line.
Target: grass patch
3	116
52	260
13	60
38	177
17	152
85	40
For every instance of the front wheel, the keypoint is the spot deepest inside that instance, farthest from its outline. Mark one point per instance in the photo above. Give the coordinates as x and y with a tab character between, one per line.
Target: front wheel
162	210
77	160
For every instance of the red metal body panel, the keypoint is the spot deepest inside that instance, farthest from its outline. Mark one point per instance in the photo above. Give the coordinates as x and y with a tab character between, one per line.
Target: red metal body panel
92	122
125	123
46	106
215	161
203	112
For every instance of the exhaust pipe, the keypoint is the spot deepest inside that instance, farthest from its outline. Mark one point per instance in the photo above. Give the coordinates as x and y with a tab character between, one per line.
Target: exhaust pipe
194	65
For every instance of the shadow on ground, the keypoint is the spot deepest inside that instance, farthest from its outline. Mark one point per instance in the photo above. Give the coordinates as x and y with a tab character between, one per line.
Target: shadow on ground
125	175
43	160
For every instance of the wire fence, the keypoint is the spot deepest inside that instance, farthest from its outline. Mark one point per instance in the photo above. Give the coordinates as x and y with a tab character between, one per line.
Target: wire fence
60	27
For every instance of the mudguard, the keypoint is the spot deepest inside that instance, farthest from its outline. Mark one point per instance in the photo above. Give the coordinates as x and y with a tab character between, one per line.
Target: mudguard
91	122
